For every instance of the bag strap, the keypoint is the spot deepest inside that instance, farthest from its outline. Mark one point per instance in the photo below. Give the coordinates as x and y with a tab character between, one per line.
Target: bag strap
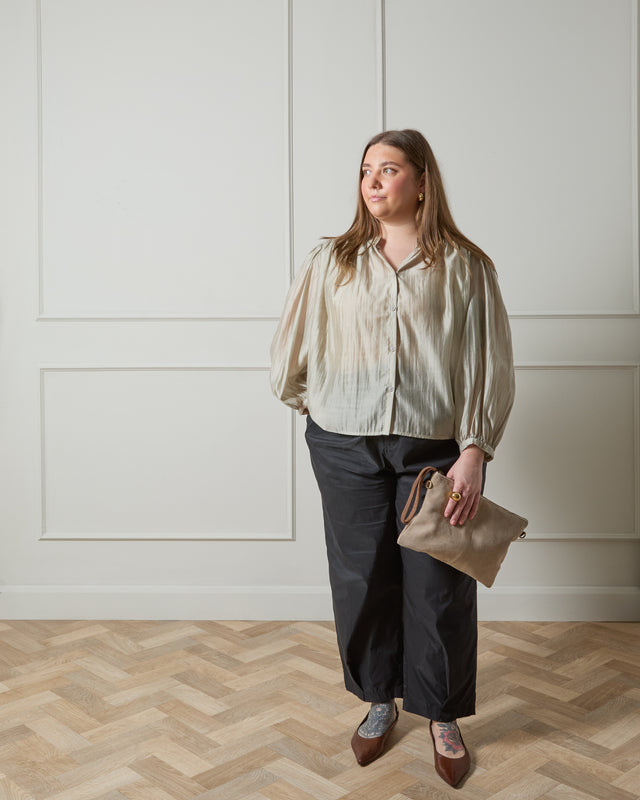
414	496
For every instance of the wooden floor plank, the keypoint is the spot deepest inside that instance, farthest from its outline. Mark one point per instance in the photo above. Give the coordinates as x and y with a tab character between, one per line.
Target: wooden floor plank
226	710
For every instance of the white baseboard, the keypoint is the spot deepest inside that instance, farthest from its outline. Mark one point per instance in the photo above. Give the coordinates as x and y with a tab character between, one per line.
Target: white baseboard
165	602
524	603
560	603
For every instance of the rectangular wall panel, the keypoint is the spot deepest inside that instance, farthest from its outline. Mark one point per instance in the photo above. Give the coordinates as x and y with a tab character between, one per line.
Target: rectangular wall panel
164	453
336	110
569	458
164	148
531	109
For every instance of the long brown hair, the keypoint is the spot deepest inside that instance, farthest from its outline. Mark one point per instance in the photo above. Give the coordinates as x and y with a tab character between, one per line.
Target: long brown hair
435	224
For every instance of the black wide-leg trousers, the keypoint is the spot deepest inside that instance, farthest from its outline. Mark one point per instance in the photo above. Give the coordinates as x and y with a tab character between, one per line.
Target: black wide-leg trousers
406	623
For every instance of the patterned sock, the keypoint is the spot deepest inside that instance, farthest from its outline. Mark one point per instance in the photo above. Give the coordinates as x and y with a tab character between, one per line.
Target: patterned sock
377	722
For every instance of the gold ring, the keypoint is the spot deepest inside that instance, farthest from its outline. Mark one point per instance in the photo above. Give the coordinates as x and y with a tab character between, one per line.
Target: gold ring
455	496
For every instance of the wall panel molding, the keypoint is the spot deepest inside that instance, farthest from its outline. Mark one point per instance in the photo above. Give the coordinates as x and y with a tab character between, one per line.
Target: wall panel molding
249	478
594	467
629	305
532	535
382	63
45	314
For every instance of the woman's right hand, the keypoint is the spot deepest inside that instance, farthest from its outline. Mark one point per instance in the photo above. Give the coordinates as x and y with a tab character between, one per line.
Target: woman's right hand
467	481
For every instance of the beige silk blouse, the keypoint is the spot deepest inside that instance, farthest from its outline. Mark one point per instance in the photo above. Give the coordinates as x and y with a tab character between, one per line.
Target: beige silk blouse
413	351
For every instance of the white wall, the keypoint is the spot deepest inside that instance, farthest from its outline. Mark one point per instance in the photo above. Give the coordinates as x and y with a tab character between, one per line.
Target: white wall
166	167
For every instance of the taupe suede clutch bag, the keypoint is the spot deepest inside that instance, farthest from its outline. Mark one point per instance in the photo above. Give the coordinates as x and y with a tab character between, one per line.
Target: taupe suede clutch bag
478	547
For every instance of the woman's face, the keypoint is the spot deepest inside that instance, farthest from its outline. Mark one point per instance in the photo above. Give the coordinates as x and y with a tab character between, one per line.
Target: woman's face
389	185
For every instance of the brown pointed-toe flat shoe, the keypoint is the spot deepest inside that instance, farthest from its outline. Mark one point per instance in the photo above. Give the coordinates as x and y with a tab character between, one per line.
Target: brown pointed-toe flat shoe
451	770
367	750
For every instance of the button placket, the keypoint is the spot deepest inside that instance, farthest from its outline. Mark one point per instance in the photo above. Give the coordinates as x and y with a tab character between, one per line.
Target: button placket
392	346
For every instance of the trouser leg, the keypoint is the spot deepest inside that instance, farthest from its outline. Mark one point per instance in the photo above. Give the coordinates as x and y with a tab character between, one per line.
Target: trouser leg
365	567
440	639
439	608
405	623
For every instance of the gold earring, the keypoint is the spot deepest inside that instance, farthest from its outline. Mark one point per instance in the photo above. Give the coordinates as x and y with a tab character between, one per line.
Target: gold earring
420	197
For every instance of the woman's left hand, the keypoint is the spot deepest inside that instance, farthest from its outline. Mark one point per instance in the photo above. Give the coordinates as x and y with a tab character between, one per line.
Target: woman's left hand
467	481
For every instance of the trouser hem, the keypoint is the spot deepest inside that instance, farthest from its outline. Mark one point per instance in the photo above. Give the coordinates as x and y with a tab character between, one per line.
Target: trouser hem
375	695
435	713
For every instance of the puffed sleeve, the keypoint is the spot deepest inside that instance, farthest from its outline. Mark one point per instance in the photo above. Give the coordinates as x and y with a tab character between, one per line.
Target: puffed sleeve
290	345
484	383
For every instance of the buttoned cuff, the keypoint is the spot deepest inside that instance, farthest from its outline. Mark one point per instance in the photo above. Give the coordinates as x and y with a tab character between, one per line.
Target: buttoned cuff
489	451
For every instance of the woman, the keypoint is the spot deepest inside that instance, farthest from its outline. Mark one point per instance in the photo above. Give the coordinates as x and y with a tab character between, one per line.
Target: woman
395	342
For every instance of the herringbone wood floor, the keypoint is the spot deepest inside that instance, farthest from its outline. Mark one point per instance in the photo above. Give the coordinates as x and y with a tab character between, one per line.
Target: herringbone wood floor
257	711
